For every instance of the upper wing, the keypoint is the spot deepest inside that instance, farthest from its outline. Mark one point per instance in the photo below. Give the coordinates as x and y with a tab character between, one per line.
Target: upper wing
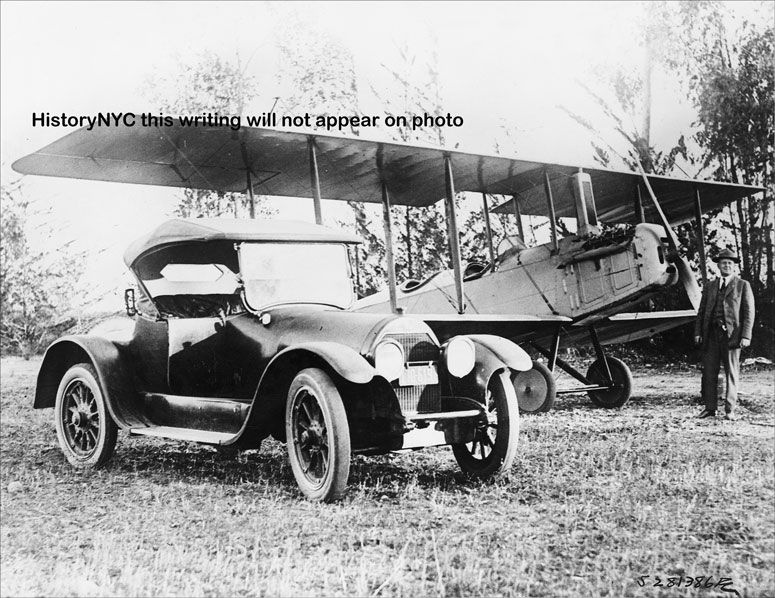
218	158
615	194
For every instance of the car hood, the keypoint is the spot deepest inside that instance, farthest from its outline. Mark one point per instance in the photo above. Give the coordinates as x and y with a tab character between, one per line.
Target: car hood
291	325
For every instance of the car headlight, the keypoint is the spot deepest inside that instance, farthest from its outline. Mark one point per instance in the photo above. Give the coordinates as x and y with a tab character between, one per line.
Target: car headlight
460	356
389	359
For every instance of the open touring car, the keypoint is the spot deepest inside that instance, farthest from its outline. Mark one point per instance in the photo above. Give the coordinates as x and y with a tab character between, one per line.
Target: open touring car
242	330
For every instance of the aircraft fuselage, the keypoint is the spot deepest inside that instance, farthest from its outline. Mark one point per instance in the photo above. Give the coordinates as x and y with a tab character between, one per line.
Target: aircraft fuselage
585	279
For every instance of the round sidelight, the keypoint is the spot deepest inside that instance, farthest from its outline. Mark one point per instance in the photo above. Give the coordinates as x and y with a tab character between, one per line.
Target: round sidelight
389	359
460	356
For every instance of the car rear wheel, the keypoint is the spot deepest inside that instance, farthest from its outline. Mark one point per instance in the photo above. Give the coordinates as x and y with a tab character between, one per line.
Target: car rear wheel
535	388
86	432
619	393
318	436
494	446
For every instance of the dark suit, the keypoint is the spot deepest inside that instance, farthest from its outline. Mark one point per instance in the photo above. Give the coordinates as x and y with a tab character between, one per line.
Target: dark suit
722	326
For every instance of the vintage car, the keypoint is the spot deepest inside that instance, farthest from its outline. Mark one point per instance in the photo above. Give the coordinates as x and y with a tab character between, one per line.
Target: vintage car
242	330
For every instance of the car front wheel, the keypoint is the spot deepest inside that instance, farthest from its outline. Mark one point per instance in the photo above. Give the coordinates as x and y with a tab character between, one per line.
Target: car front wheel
86	432
317	436
494	446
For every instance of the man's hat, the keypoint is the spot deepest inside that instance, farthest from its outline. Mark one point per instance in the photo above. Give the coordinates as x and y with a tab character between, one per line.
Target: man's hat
727	254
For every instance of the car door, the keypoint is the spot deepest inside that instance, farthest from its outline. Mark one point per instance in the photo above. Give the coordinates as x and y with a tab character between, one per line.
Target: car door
196	357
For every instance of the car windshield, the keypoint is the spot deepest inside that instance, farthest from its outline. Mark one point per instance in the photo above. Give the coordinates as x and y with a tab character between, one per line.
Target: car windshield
275	273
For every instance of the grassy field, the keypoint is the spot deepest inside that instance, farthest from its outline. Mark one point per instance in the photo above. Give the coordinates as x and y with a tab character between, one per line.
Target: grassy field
595	500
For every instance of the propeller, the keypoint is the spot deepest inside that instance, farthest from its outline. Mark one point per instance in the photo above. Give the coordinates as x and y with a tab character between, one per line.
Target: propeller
685	274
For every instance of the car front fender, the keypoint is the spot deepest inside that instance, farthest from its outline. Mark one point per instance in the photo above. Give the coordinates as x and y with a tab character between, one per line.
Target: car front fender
511	354
345	361
493	354
113	373
268	407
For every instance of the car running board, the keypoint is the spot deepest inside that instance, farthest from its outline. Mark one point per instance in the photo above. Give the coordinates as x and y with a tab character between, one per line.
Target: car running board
203	436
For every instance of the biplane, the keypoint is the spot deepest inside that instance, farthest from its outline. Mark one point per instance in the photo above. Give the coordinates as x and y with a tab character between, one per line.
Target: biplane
584	287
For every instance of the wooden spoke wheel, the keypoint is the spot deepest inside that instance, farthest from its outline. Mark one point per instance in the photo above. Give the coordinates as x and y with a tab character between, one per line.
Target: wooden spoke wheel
318	436
86	432
494	446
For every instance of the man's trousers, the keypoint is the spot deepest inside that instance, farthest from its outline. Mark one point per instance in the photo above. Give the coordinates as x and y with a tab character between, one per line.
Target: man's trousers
717	352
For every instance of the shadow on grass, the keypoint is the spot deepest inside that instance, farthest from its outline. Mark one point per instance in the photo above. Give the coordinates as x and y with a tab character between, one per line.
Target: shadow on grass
379	477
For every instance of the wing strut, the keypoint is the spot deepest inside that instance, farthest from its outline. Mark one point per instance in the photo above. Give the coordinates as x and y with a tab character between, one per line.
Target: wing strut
488	230
314	178
454	241
700	235
665	222
391	263
251	196
249	181
685	274
518	216
552	215
639	212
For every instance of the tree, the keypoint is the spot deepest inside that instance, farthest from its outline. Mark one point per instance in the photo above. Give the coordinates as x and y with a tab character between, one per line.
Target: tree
622	109
34	285
420	236
726	66
727	73
735	105
734	98
317	74
209	84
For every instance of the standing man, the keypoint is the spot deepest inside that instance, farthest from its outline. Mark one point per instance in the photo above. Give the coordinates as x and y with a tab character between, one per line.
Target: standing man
723	327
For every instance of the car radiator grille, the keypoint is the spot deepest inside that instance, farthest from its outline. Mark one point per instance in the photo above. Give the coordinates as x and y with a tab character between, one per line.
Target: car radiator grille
418	399
418	348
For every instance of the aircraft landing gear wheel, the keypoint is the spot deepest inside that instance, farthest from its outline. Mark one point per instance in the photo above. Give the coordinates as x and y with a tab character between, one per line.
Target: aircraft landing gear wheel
494	446
86	432
536	389
620	393
318	436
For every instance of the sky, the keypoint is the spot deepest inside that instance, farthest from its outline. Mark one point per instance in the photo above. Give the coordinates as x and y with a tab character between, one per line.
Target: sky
500	64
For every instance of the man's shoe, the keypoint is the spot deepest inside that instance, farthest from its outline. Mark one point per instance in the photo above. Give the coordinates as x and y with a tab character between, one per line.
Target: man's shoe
706	413
731	417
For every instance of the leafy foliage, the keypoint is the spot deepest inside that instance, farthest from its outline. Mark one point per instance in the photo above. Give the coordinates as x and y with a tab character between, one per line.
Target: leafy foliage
610	234
34	284
316	71
735	104
639	151
209	84
317	74
728	76
420	234
732	83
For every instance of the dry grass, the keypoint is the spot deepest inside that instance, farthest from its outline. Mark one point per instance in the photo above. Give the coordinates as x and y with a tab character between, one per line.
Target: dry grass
596	499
